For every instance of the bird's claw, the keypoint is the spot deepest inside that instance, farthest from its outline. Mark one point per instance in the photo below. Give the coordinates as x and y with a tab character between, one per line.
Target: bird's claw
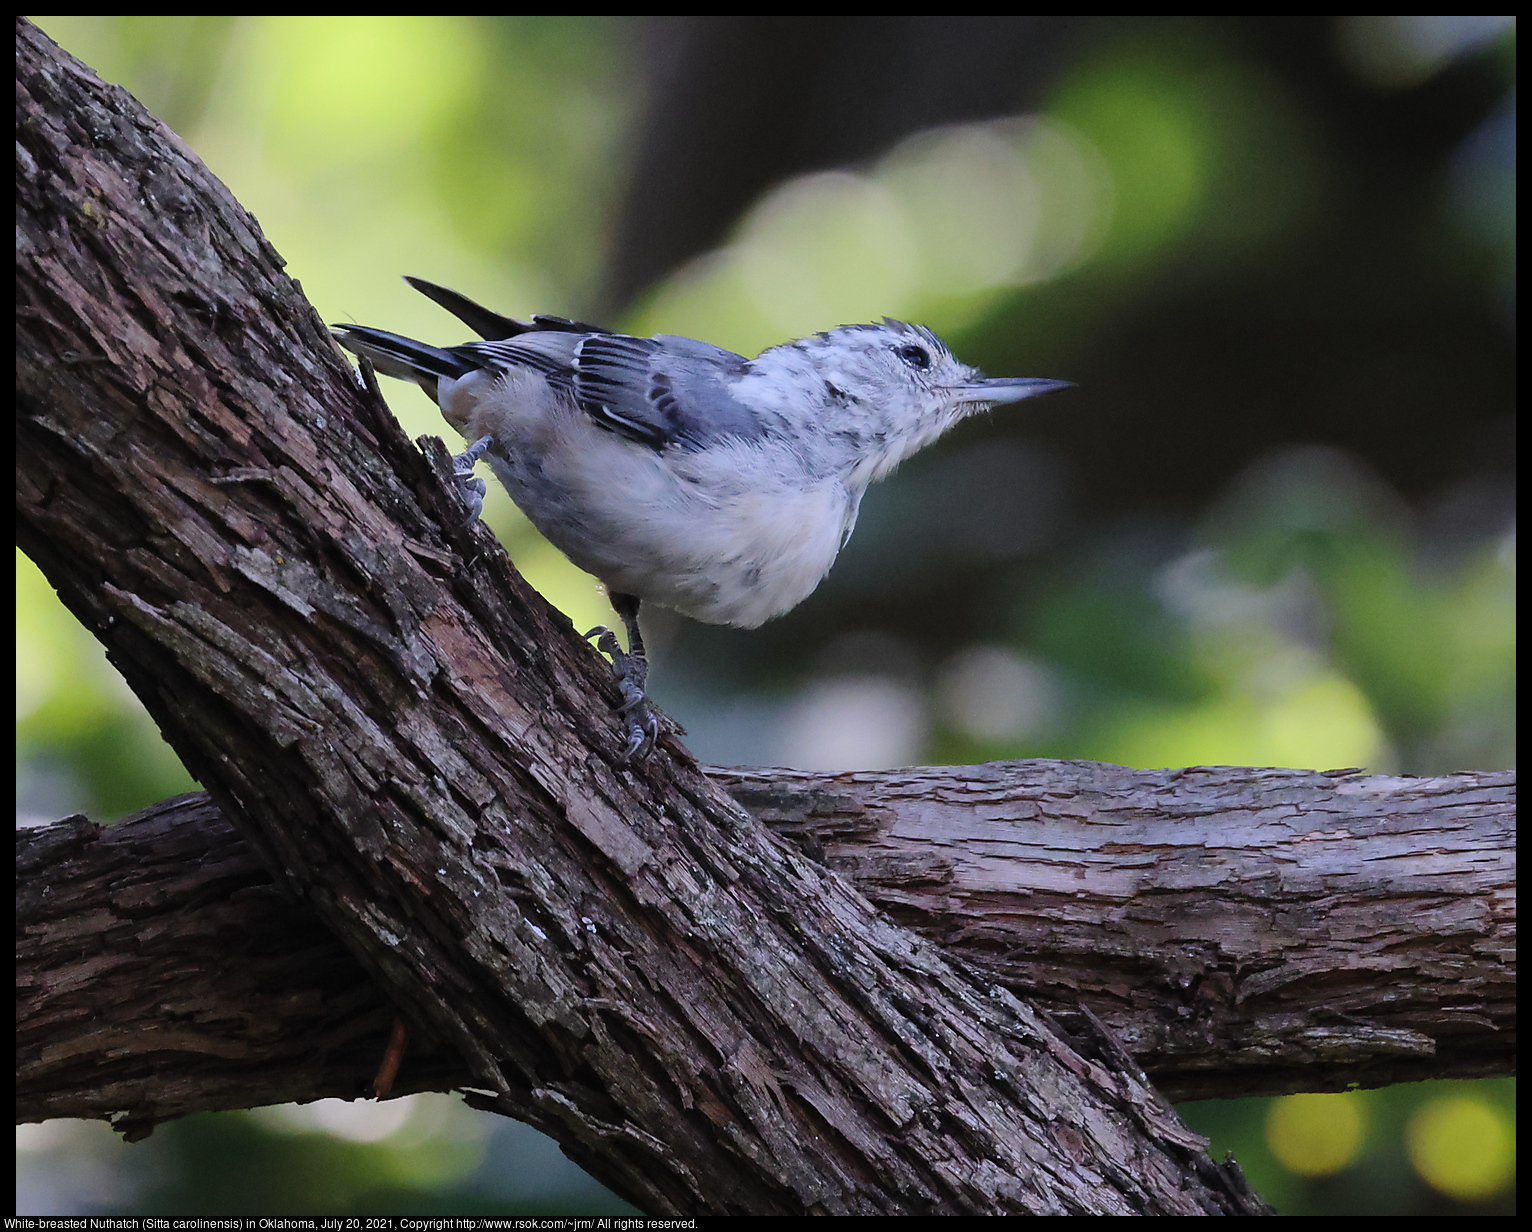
643	731
472	490
632	671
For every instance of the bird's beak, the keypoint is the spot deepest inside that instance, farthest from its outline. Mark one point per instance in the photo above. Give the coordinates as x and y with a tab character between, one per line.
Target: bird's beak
1004	389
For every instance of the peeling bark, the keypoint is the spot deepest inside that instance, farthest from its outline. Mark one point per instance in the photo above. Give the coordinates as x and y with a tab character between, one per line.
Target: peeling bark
424	752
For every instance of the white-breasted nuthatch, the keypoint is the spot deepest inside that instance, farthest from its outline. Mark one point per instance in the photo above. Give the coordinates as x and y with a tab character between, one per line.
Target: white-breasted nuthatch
680	473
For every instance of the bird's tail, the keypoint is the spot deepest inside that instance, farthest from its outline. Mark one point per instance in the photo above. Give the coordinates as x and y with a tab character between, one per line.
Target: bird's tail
400	357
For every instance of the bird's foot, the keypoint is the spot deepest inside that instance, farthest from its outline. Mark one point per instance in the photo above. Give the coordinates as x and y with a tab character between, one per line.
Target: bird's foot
472	490
632	672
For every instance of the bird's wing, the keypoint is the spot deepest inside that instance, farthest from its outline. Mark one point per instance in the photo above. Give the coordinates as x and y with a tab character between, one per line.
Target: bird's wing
663	393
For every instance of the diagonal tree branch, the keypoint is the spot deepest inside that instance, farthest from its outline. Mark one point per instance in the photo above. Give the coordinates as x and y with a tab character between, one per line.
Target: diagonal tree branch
423	751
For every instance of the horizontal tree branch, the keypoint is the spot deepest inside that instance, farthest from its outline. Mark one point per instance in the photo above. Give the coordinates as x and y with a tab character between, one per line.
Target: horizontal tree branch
1243	931
1231	926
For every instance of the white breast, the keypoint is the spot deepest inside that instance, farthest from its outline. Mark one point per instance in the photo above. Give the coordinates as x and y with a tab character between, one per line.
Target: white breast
734	534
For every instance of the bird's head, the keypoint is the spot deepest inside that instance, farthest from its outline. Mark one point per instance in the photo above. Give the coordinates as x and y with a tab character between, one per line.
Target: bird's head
885	391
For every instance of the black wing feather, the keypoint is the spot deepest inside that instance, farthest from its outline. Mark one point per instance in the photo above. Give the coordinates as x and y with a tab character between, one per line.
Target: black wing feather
615	384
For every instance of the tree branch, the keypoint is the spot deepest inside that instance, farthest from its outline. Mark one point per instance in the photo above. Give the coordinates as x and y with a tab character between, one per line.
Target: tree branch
159	971
1243	931
424	752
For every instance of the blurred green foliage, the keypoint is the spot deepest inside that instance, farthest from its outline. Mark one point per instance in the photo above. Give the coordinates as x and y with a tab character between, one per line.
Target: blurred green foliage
1308	617
1298	625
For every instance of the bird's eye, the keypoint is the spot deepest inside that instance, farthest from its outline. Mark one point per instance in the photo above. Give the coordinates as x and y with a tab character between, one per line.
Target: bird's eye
914	355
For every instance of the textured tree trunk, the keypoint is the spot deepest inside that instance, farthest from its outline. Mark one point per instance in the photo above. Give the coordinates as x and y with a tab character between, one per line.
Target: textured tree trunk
424	752
161	973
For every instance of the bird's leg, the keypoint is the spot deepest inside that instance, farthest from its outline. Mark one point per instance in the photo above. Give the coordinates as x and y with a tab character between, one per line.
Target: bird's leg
472	490
632	669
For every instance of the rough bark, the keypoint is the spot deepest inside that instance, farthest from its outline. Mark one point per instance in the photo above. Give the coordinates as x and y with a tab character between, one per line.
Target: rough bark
161	972
1229	926
424	752
1243	931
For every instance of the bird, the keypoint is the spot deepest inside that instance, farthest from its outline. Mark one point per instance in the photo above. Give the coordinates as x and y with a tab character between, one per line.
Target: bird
680	473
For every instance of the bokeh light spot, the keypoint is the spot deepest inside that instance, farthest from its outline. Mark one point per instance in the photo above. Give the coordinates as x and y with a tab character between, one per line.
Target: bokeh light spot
1462	1147
1316	1134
